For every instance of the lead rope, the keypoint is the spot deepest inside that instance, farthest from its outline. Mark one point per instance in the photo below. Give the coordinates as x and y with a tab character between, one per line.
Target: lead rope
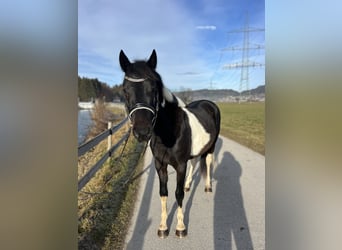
118	159
124	147
131	178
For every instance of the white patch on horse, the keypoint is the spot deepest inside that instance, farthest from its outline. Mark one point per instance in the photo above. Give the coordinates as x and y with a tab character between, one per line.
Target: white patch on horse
193	163
199	136
180	102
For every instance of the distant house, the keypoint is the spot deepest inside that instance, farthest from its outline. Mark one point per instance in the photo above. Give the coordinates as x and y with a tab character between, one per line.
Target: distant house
116	99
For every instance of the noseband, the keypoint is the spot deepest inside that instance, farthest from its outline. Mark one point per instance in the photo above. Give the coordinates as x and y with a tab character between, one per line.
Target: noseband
140	106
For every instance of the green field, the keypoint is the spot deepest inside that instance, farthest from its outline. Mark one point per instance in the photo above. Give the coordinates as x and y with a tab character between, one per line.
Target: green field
244	123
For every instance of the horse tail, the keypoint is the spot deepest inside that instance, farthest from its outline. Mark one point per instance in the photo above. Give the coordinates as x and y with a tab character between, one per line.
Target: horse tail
203	166
218	120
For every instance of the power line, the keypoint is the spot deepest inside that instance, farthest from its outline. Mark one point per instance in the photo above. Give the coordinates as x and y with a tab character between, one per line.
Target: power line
245	62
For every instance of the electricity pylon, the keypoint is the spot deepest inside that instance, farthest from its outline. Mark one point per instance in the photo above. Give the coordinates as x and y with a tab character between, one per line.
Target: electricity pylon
245	63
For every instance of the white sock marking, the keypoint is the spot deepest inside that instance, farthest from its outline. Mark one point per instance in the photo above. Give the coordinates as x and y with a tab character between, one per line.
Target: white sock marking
209	161
163	225
192	164
180	223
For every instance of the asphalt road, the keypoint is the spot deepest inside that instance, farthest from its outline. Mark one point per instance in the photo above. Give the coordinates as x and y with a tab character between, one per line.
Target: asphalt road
231	217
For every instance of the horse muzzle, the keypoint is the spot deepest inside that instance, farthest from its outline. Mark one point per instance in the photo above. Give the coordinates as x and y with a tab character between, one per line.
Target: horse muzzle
143	118
142	133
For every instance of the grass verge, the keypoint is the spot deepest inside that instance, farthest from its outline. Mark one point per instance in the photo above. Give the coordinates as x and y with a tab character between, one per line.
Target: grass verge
244	123
107	201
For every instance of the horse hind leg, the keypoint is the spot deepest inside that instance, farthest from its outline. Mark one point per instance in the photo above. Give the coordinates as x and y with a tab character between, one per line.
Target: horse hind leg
209	161
188	181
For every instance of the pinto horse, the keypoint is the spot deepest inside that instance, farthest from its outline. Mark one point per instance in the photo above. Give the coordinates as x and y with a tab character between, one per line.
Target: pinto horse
177	132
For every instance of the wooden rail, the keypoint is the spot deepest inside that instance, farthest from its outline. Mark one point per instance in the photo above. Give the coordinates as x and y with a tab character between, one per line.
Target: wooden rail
82	149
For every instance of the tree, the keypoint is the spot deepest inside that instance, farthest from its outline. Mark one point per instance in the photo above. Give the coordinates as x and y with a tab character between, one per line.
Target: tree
185	94
91	89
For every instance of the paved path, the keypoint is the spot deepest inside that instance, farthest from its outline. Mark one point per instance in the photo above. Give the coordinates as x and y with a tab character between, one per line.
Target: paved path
231	217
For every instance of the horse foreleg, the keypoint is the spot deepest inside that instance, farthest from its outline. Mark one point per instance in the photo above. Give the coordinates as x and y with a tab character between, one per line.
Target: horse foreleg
192	164
180	229
209	162
163	230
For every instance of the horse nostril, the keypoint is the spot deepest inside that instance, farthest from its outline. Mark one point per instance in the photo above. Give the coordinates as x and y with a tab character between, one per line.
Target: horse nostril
142	133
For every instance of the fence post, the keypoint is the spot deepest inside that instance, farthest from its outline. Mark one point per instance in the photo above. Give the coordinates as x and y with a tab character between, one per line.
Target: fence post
109	138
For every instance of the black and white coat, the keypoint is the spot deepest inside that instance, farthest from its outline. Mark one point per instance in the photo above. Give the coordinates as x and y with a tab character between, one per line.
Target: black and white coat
177	132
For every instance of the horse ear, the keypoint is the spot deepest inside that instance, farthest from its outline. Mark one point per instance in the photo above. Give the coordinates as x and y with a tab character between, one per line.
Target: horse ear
124	62
152	61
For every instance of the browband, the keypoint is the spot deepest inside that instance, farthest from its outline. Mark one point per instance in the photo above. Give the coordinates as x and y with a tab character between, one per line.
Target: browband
134	79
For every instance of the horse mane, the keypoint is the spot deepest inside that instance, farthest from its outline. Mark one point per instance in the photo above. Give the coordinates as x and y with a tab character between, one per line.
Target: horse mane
172	98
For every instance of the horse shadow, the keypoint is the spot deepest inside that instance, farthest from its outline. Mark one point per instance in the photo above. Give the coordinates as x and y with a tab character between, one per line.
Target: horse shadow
138	236
230	221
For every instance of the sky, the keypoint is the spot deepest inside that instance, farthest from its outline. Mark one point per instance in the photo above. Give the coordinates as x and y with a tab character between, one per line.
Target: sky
188	36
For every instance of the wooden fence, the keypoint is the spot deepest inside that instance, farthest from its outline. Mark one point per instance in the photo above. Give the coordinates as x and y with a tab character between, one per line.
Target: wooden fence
82	149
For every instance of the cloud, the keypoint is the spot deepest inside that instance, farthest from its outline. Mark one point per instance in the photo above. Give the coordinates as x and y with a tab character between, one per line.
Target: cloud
206	27
189	73
105	27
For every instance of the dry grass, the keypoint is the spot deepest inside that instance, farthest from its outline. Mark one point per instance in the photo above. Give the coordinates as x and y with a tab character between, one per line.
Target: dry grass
105	204
101	115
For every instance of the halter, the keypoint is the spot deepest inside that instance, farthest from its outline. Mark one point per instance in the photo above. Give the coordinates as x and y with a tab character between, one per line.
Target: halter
140	106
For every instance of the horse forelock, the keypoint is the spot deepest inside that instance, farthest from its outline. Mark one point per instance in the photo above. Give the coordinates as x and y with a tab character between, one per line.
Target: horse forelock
139	69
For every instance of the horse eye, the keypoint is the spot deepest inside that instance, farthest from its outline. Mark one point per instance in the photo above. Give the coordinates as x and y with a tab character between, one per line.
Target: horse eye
152	90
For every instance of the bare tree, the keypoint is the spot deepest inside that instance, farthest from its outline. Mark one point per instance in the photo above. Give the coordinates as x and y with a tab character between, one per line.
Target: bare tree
100	116
185	94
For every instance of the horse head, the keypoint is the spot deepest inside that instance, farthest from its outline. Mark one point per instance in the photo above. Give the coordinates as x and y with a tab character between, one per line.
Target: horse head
142	91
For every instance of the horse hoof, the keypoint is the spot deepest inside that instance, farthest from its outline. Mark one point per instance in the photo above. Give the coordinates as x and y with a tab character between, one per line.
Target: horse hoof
163	233
208	190
181	233
186	189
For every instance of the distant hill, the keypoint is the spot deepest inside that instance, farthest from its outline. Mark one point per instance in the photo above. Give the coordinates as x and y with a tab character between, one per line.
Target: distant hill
256	91
223	95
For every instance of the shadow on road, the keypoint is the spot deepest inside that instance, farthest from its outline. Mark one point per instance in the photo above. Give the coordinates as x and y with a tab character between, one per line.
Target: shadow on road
137	240
195	181
230	220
